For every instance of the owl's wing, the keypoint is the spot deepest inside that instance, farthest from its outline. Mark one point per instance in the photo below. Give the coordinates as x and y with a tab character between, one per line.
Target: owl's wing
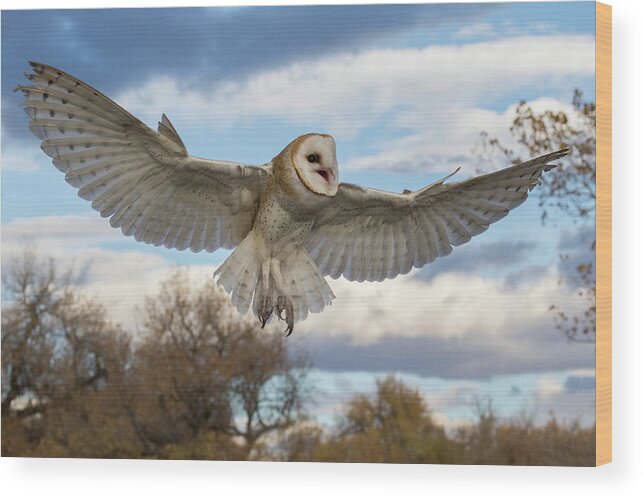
144	181
369	234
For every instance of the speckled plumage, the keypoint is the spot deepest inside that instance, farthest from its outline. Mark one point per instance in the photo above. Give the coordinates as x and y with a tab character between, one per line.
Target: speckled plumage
291	221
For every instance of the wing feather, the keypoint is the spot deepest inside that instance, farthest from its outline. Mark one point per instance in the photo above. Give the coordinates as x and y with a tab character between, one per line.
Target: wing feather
370	234
144	181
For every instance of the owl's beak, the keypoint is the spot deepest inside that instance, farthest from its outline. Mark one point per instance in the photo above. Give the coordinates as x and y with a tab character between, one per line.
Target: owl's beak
327	174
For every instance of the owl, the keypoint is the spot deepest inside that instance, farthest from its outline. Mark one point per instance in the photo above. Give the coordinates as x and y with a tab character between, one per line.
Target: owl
290	221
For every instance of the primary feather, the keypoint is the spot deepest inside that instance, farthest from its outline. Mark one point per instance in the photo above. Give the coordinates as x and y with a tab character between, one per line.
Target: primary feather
144	181
369	234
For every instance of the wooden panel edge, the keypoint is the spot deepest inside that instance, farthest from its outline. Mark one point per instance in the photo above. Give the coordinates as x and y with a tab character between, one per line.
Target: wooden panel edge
603	233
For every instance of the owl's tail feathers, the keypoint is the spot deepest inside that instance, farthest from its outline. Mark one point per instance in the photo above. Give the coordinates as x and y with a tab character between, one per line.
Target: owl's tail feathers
304	284
239	274
293	285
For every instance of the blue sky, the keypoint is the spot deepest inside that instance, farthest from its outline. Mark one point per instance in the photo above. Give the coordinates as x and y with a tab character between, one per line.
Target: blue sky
405	90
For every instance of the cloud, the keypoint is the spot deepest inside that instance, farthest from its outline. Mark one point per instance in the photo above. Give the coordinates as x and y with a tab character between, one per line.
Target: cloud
442	141
61	235
497	255
503	29
122	280
524	274
580	383
348	92
575	246
532	350
205	44
571	398
475	30
549	386
456	325
119	279
115	49
451	305
20	155
428	101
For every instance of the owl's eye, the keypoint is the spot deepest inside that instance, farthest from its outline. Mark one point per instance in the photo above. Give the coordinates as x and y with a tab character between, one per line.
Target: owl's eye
313	158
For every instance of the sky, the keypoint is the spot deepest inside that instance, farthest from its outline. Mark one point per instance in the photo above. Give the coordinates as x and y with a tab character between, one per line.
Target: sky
405	90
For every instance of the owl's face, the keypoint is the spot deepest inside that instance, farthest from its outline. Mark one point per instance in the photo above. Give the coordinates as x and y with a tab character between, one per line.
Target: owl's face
314	159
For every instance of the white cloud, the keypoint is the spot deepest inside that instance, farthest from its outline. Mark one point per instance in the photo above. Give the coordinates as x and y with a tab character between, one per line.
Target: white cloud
582	372
122	280
549	386
503	29
20	156
118	279
450	306
475	30
443	142
439	142
350	91
436	93
60	235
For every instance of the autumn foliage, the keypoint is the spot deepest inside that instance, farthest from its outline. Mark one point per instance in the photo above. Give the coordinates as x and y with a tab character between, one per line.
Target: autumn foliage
197	383
569	190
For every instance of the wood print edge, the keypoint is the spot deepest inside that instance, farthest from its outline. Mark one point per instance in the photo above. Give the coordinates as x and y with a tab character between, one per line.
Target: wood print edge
603	233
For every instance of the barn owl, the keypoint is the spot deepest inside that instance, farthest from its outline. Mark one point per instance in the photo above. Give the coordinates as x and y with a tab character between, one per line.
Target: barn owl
290	222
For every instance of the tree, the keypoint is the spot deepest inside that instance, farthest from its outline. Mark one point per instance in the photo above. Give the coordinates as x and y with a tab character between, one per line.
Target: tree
570	188
57	348
394	426
200	382
206	383
519	441
300	443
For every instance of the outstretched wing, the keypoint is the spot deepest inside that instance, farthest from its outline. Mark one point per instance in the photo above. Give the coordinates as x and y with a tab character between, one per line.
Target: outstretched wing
369	234
144	181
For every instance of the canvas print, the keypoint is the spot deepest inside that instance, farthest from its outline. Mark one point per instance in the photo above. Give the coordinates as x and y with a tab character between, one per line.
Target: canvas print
317	233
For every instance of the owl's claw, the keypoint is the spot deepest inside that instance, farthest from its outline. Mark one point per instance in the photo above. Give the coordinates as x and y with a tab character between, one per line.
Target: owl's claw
265	310
285	307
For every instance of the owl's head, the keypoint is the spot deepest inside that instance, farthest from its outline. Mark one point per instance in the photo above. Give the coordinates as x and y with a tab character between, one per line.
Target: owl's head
314	160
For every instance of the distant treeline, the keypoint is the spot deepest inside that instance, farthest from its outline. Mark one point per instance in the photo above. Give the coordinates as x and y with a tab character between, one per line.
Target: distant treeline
203	383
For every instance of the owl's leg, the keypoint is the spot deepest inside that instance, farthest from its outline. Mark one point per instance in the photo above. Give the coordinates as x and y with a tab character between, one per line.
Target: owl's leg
266	306
284	303
265	274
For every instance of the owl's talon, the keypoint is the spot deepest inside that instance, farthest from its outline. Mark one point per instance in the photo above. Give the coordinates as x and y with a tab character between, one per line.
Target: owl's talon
281	307
286	312
265	310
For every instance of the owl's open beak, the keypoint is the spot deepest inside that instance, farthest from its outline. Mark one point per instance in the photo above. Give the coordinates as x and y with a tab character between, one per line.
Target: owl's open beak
327	174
